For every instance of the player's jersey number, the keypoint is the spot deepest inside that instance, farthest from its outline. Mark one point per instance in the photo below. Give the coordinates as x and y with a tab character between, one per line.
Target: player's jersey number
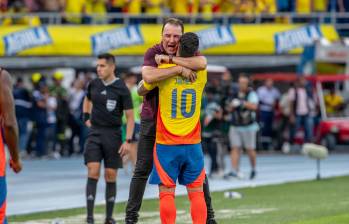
183	104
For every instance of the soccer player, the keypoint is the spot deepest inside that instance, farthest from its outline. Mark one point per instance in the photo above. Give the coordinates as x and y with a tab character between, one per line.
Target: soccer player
106	99
8	125
178	153
166	50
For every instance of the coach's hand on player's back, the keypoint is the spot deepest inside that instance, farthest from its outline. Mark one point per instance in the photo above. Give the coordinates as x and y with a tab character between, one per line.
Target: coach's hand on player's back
188	74
124	149
16	165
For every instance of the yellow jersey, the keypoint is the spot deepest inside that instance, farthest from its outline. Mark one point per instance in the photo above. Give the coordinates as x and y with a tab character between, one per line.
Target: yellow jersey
178	120
155	7
332	102
303	6
135	7
74	6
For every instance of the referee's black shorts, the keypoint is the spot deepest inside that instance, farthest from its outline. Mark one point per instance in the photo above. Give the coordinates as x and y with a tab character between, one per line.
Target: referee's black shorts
103	144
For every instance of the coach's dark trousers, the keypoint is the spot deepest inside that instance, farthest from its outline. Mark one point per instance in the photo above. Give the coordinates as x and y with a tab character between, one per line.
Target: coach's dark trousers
142	171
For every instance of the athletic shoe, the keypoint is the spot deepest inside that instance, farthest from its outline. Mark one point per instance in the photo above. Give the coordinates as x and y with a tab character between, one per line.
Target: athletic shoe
232	174
90	220
253	174
110	221
211	221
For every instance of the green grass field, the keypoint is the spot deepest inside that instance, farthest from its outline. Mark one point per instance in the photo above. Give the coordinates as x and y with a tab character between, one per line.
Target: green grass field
313	202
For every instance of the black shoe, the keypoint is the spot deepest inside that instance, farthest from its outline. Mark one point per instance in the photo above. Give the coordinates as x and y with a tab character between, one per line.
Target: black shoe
253	174
211	221
90	220
109	221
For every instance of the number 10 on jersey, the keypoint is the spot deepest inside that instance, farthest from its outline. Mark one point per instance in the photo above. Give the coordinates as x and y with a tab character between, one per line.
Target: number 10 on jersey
183	102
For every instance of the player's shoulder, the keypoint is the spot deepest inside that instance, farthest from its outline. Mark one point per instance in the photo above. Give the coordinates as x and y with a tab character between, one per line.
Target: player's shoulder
155	49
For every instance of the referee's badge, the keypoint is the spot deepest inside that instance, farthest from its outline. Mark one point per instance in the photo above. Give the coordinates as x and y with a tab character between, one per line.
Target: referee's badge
111	104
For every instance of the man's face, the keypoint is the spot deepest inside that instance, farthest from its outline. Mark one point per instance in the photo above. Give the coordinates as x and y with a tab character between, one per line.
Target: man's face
104	69
170	38
243	84
302	82
269	83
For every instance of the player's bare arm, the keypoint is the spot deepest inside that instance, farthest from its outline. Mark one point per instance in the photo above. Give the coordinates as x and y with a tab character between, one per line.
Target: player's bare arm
151	74
141	90
87	108
195	63
130	123
7	110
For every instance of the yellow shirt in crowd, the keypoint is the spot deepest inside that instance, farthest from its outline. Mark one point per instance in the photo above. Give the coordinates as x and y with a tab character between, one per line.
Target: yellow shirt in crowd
154	6
74	6
332	102
303	6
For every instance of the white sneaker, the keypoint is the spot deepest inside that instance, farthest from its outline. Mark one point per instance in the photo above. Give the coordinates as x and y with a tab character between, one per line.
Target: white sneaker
286	148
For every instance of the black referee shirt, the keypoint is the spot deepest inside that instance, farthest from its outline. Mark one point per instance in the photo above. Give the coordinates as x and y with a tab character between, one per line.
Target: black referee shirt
109	101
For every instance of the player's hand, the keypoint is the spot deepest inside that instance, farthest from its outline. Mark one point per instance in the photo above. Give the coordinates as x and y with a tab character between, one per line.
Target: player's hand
188	74
88	123
124	149
161	59
16	166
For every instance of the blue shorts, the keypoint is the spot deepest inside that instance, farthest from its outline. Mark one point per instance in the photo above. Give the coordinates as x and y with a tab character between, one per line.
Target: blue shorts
182	162
3	200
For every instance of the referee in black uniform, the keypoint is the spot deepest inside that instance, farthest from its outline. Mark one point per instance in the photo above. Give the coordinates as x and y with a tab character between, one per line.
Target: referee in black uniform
106	99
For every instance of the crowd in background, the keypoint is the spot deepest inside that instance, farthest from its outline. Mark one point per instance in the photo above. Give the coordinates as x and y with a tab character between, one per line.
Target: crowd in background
46	111
284	118
50	116
84	9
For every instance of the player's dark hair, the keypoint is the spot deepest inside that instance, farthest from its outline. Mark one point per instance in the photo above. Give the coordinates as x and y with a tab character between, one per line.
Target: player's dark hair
188	44
108	57
173	21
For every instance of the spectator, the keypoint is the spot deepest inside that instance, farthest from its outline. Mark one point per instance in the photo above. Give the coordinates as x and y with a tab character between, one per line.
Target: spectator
62	112
206	9
75	10
268	97
40	118
51	123
304	6
320	5
18	6
266	6
3	6
179	7
116	6
284	124
23	106
334	102
95	11
78	128
134	8
50	6
300	109
243	129
343	5
31	5
154	7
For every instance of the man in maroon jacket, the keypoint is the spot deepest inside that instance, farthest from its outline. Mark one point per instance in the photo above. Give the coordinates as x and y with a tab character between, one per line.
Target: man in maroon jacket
164	52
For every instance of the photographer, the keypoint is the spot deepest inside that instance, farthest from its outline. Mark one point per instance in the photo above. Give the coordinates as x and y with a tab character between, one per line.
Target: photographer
243	129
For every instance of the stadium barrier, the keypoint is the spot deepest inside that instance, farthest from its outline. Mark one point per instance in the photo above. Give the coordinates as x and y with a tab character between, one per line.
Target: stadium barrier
89	40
